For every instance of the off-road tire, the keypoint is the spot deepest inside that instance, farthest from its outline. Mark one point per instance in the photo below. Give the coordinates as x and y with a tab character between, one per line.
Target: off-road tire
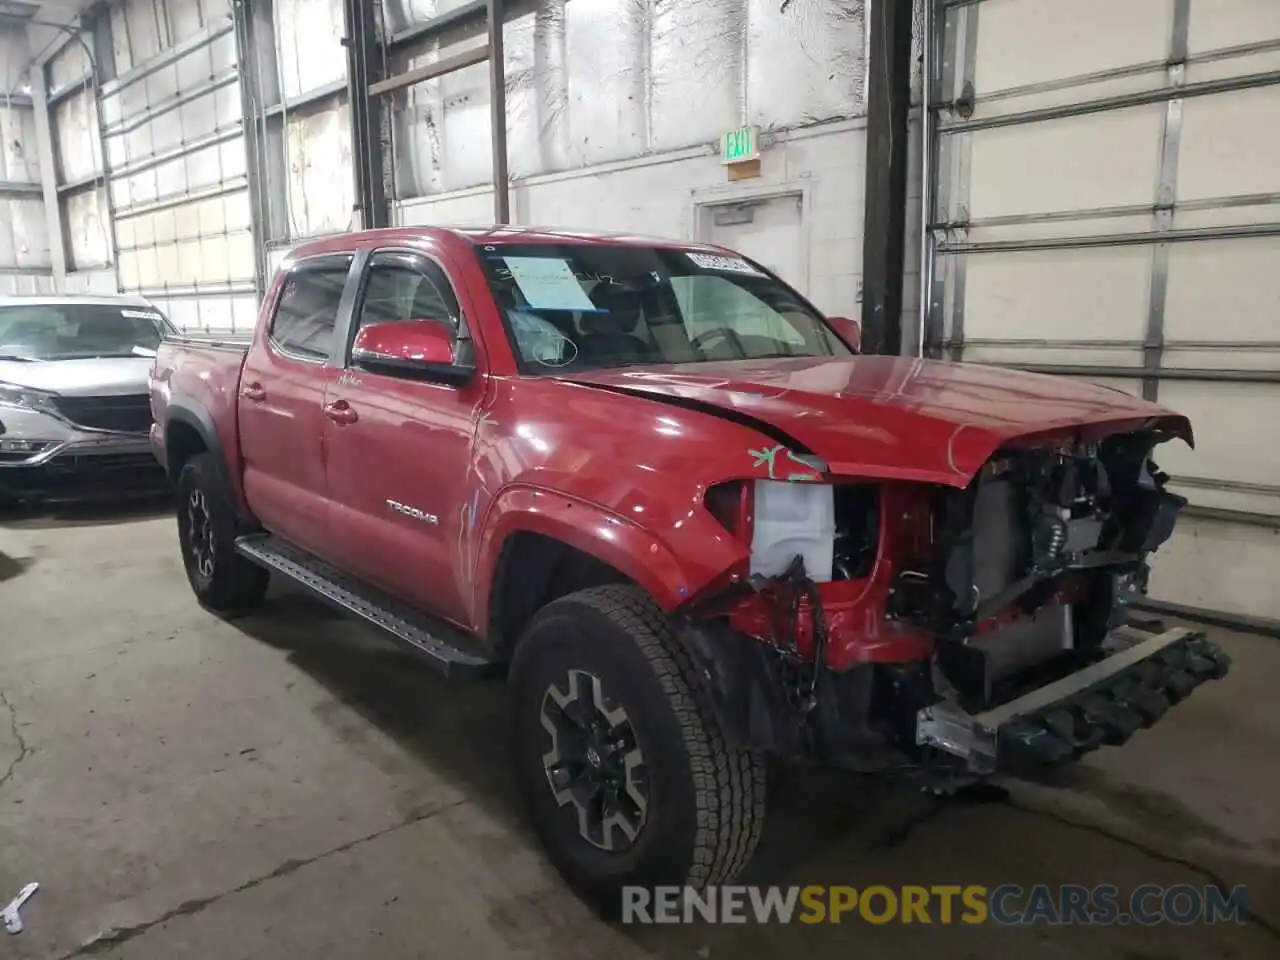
235	584
706	804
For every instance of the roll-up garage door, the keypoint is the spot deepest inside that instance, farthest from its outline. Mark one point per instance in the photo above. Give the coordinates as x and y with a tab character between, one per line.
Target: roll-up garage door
1106	205
176	159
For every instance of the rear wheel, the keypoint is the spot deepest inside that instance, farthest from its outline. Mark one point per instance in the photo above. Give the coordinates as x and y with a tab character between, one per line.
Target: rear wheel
627	778
223	581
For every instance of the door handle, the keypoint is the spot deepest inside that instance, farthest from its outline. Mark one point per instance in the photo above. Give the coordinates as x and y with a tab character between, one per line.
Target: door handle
253	392
339	411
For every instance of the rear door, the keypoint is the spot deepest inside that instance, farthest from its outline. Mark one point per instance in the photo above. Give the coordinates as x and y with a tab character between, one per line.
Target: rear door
400	472
282	389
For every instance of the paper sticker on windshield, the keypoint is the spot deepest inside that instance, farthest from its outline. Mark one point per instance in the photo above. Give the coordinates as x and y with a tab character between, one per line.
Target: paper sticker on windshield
141	314
712	261
548	284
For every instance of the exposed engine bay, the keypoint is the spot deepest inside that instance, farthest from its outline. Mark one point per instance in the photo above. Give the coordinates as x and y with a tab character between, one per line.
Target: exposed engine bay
867	603
1061	534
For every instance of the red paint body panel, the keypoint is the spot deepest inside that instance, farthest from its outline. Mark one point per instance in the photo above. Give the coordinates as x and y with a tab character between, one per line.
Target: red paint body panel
205	377
423	339
616	463
282	459
899	418
412	445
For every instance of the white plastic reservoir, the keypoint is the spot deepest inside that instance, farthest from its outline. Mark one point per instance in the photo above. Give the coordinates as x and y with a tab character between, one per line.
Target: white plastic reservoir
790	519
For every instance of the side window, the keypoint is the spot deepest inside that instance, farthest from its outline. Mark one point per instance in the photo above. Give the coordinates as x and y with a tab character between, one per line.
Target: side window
308	310
404	288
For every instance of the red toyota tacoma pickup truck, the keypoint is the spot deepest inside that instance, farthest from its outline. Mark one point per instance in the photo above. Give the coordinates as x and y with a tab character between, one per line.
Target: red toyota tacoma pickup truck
688	520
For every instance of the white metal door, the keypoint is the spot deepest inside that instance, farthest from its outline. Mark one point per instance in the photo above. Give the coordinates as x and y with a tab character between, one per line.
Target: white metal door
1106	204
767	229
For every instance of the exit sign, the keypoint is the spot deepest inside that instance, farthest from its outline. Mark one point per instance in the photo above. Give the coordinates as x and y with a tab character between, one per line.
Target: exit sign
741	145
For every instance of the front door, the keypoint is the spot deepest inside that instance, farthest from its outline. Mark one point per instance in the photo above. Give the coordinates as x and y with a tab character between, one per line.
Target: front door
400	457
282	388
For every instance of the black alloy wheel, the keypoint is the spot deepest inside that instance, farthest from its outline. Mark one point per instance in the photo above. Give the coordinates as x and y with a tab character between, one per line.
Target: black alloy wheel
595	763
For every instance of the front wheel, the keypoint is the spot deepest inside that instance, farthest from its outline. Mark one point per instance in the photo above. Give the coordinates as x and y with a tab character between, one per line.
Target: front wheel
627	777
223	581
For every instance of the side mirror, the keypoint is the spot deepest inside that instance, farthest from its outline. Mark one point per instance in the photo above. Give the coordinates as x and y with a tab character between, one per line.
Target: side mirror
850	331
415	349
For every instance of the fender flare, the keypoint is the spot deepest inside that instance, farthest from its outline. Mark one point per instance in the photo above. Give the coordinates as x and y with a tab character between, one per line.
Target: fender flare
583	525
192	413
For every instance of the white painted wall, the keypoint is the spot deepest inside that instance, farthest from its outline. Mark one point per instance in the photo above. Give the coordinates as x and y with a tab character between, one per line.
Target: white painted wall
659	196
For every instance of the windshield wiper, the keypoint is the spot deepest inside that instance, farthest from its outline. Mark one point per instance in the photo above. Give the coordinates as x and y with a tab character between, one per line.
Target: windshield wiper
12	356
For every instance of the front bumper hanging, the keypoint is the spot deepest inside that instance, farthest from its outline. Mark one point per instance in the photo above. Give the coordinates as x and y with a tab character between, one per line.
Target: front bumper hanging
1104	703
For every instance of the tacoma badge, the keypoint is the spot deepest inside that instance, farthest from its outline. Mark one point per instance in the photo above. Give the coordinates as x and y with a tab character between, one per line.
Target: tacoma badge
414	512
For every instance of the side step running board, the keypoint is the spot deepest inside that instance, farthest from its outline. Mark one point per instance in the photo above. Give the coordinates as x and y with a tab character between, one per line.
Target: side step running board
445	648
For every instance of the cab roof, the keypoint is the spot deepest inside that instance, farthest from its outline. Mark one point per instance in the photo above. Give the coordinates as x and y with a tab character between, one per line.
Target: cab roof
481	235
512	234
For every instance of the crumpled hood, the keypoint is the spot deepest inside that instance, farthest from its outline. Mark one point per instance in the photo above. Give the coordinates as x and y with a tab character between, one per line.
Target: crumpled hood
892	417
93	377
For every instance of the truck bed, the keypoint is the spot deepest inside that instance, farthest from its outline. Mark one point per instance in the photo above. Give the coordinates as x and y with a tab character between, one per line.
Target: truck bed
198	378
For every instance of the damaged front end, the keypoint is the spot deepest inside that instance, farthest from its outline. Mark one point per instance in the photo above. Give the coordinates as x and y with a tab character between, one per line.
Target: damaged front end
947	631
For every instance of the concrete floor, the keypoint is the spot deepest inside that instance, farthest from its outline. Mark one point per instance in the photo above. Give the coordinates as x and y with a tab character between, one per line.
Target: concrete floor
292	786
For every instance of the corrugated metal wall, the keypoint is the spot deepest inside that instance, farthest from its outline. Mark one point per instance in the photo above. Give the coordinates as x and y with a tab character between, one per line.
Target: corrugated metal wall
151	160
615	110
24	237
317	137
176	155
1108	206
608	80
191	205
82	189
300	124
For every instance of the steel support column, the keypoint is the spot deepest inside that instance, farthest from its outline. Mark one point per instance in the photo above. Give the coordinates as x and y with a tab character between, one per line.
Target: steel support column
364	68
1166	195
885	218
49	179
250	85
498	114
462	23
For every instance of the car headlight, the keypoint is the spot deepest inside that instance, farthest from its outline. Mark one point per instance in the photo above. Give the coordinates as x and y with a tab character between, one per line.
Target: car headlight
13	395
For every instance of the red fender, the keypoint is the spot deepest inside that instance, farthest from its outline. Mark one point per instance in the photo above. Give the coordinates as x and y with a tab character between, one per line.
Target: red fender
617	541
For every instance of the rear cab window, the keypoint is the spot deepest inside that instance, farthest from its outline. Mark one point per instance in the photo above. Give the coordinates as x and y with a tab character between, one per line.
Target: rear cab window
306	316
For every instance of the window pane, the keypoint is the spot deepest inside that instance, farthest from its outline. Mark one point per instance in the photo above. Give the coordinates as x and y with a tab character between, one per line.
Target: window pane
709	303
402	293
589	305
72	331
308	311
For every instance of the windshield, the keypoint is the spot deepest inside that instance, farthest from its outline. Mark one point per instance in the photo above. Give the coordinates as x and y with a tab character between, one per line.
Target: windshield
588	306
74	331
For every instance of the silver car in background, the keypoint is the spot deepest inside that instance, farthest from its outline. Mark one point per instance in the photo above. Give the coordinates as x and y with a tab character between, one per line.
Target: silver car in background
74	406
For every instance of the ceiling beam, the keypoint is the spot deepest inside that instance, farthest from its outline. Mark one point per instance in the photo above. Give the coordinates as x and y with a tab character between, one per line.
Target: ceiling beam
52	25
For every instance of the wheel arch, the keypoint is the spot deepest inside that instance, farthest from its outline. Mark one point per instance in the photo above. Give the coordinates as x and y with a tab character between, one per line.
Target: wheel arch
540	545
189	430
